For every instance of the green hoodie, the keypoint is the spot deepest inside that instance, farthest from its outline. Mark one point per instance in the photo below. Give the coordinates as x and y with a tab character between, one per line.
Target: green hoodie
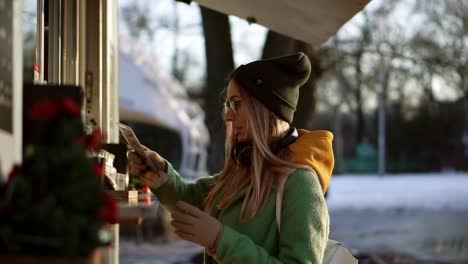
304	215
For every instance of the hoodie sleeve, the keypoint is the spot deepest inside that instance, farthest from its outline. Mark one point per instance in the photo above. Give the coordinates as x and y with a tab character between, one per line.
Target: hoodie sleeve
304	228
175	189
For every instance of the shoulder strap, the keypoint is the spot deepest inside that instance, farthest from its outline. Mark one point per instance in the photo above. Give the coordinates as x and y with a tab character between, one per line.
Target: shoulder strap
279	199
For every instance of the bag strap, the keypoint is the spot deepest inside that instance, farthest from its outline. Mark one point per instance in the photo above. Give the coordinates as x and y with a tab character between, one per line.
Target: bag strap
279	199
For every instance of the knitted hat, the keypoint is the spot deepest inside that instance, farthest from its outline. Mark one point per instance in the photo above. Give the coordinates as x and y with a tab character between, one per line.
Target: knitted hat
275	82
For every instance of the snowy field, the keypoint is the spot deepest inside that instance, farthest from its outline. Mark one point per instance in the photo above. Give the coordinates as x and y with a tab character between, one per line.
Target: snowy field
448	191
422	215
425	216
174	252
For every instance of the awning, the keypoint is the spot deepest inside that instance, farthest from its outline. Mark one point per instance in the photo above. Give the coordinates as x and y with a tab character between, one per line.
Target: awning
312	21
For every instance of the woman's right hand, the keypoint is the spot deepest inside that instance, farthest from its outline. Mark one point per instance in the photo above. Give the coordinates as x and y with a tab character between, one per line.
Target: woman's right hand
137	164
140	167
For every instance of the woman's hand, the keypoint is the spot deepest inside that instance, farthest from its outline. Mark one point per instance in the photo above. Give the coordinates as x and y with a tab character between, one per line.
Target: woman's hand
144	159
194	225
137	164
142	167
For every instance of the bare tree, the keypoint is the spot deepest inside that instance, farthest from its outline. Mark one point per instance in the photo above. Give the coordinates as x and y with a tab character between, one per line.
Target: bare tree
347	59
219	62
356	60
138	19
445	39
144	23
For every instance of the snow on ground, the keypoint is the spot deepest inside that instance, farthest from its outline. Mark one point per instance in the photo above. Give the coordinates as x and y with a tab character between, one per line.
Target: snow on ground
446	191
423	215
429	236
171	251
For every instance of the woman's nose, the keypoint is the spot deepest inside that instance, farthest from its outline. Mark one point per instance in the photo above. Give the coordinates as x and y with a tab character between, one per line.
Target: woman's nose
229	115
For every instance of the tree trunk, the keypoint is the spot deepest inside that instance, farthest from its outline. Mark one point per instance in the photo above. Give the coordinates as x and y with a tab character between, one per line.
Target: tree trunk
361	124
219	63
304	115
464	87
278	45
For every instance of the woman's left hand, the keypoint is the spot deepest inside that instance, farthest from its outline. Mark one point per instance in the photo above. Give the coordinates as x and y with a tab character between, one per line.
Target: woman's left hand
194	225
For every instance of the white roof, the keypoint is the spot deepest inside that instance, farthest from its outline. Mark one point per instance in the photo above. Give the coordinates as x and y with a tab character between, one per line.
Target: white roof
312	21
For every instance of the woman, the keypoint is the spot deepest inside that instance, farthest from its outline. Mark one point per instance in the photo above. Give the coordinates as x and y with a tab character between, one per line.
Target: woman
232	214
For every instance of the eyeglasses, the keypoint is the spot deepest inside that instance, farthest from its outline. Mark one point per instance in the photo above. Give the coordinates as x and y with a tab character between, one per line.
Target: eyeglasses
233	105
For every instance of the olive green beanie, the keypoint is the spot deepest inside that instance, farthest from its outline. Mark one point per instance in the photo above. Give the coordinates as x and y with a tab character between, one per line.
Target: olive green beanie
275	82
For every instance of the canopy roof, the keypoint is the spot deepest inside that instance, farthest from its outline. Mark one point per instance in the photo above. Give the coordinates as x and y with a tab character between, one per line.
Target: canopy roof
312	21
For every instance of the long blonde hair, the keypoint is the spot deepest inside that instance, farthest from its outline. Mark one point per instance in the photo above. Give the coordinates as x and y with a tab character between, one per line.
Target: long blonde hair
266	168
